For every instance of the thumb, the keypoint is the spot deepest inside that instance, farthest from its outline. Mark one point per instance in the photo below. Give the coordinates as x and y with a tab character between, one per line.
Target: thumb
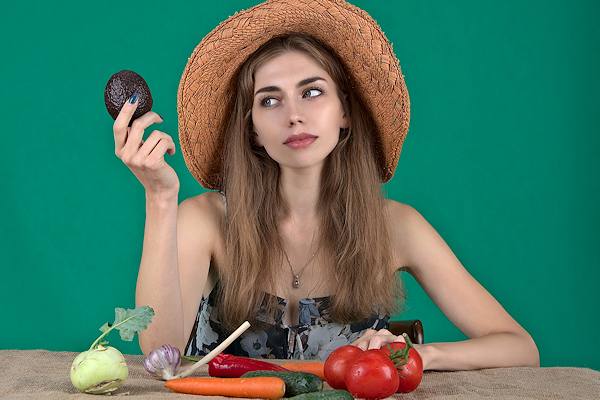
400	339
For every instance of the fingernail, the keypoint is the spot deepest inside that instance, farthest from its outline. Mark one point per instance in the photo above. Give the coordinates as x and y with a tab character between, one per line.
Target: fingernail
161	117
133	98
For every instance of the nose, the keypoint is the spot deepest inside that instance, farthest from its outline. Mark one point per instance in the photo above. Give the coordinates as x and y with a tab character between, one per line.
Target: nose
295	120
294	115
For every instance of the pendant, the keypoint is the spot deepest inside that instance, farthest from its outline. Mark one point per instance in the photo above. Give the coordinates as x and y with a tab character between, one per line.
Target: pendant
296	282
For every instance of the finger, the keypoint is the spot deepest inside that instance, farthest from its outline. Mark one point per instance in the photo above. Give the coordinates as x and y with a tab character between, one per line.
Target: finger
159	151
379	340
362	345
147	146
136	131
371	332
368	333
400	339
170	145
121	124
141	142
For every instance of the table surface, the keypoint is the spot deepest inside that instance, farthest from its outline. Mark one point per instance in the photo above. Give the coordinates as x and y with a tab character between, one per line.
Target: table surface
42	374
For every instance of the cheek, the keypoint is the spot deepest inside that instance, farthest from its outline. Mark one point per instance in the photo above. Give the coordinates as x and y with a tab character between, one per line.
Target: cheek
327	145
334	138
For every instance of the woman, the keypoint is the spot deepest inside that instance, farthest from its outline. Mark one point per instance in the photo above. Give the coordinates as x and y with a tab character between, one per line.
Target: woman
278	111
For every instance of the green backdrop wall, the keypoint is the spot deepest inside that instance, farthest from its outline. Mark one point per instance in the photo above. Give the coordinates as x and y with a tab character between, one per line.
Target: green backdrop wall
502	157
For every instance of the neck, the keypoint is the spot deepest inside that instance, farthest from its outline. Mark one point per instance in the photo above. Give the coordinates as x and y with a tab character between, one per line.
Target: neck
300	190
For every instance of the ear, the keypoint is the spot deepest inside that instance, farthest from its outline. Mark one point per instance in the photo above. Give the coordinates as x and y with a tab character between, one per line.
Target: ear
345	122
345	119
256	139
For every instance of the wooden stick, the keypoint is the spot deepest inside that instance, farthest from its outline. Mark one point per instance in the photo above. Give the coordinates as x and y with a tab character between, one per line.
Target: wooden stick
215	352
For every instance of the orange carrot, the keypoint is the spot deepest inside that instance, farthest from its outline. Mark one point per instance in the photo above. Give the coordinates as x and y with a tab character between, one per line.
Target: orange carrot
313	367
257	387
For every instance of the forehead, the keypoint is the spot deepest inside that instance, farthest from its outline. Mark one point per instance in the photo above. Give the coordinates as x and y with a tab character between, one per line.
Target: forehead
288	68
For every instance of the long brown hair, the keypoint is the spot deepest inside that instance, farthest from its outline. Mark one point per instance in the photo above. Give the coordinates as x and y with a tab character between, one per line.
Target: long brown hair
353	230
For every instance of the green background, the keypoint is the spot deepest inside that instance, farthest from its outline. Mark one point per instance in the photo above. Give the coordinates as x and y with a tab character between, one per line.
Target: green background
502	158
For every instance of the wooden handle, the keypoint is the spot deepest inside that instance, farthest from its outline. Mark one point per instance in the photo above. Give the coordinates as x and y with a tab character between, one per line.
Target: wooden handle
216	351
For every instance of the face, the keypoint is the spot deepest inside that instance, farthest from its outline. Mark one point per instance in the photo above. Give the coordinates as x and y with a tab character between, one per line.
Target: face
290	106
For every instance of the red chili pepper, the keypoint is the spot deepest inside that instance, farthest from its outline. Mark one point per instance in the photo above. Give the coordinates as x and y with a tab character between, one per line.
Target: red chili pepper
230	366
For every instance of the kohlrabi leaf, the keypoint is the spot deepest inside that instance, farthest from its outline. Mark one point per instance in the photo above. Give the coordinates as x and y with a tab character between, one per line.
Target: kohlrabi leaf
128	322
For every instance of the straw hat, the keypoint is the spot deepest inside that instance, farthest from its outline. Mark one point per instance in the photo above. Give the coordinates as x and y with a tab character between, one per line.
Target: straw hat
205	93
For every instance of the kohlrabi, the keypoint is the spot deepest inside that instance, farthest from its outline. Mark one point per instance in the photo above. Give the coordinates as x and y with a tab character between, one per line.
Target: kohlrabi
102	369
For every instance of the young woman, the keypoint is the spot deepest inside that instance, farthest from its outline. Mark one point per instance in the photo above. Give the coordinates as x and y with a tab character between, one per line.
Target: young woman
296	115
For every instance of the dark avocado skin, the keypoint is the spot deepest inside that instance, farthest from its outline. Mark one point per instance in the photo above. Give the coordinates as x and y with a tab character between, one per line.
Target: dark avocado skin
120	87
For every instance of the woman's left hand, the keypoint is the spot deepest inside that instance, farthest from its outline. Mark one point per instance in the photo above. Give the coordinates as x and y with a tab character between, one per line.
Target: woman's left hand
373	339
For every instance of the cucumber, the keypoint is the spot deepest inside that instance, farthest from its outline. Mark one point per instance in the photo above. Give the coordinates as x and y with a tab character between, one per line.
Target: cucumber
325	395
295	382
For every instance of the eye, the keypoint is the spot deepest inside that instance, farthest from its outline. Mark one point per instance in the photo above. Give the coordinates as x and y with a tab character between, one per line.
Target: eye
264	99
313	88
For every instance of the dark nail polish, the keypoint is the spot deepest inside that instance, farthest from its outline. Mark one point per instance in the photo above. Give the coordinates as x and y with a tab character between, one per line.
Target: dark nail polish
133	98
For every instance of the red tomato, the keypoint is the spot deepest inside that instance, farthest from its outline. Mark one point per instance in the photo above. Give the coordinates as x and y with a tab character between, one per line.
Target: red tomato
337	363
372	375
410	373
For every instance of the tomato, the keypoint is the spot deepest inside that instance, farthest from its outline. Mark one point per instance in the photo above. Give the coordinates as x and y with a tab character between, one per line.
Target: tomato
337	363
372	375
411	372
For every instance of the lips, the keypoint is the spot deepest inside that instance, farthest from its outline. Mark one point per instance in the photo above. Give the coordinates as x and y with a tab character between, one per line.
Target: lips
300	136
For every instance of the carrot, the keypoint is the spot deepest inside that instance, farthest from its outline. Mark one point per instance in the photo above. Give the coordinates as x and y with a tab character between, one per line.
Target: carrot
258	387
313	367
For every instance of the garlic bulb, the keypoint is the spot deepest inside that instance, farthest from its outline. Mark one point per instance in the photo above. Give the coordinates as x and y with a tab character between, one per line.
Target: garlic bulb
163	362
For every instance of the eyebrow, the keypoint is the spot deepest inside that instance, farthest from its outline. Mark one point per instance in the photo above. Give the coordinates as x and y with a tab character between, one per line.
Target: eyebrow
300	84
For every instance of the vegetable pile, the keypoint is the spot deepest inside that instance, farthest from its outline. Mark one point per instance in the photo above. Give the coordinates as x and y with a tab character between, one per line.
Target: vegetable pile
236	376
350	371
102	369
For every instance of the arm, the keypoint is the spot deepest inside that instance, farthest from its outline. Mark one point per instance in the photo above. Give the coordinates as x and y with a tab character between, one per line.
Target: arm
174	267
158	277
503	349
496	339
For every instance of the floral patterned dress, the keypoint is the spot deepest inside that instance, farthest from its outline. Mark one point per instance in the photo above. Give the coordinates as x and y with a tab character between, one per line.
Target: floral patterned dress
313	338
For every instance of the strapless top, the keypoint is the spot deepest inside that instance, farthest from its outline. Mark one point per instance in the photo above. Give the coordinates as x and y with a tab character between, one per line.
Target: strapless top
314	337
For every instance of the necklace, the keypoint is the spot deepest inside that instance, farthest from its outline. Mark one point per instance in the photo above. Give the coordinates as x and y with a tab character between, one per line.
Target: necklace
296	276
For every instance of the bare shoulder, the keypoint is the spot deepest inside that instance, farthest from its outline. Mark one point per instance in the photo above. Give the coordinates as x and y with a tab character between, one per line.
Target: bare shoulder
204	199
201	216
416	239
209	204
398	208
400	216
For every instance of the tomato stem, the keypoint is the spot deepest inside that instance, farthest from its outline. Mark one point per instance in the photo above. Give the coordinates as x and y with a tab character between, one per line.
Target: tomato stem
408	341
400	357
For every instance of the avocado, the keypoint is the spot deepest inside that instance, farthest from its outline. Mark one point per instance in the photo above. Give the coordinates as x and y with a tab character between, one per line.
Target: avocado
120	87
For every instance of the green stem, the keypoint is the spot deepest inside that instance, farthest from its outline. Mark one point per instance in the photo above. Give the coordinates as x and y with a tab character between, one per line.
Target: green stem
408	342
108	331
400	357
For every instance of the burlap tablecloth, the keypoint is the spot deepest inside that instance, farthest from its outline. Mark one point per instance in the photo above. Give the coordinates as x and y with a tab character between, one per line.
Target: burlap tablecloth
42	374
